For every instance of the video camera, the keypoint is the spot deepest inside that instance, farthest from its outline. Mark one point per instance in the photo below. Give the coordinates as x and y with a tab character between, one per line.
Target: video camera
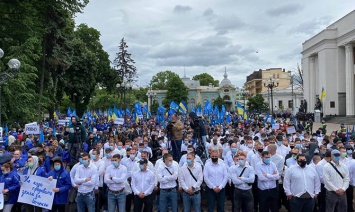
77	127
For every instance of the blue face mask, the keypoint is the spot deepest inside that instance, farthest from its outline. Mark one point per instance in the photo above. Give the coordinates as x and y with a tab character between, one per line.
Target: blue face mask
1	154
336	158
4	172
85	162
141	166
145	145
349	151
93	157
132	156
81	160
267	160
119	147
189	162
57	167
47	155
279	143
115	163
108	155
128	146
298	146
241	162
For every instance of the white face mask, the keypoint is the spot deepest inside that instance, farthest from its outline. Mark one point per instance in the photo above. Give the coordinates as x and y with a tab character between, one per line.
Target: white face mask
250	145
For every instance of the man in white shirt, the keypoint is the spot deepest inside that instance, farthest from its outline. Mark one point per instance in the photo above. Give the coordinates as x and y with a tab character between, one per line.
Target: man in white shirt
167	176
281	148
301	185
215	145
249	146
216	177
336	183
229	159
319	168
100	165
99	148
255	159
352	177
142	187
292	160
267	177
115	178
191	149
190	180
86	178
121	150
243	177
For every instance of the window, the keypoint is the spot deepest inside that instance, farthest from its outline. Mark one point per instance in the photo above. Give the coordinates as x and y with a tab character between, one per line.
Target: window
273	76
226	90
332	104
290	104
280	104
278	76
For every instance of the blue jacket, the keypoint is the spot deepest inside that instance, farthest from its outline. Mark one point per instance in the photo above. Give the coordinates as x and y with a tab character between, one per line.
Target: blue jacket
47	163
63	183
12	182
40	172
19	163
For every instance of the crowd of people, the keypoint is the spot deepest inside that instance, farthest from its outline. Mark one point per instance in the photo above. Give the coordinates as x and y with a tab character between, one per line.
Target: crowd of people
151	167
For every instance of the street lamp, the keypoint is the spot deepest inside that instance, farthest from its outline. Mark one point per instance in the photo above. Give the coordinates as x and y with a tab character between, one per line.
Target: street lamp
150	95
245	94
271	84
125	86
14	64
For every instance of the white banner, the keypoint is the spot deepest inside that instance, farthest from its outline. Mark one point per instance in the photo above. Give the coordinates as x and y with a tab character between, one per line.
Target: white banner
291	130
275	126
31	129
37	191
1	196
62	122
119	121
140	116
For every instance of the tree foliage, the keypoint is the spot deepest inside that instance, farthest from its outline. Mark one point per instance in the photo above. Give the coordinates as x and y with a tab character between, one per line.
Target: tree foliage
297	78
124	64
257	104
205	79
177	91
219	102
161	79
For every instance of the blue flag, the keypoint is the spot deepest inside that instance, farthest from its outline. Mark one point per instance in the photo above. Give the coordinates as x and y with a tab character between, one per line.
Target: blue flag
6	129
54	133
69	112
74	113
266	118
174	106
41	137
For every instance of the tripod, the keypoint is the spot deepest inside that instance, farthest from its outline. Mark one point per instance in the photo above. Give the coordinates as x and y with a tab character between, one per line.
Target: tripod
201	148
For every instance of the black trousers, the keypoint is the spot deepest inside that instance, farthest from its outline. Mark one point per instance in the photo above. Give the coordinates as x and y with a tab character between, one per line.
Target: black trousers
268	200
59	208
129	200
146	203
301	205
321	198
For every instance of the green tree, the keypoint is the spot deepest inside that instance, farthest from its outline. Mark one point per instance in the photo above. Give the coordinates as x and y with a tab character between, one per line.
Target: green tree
140	94
154	107
219	102
256	103
124	64
161	79
205	79
177	91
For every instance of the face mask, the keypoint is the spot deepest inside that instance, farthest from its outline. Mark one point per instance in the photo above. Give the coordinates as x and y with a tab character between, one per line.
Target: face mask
267	160
85	162
141	166
322	152
109	147
128	146
47	155
170	164
214	160
114	163
279	143
132	156
189	162
1	154
302	163
119	147
336	158
5	172
30	165
291	147
241	162
298	146
189	151
250	145
145	145
93	157
352	145
260	150
234	150
186	143
294	156
349	151
343	154
81	160
57	168
140	149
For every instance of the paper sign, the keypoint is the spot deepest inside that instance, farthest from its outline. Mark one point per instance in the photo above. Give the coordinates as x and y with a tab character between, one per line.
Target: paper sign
140	116
1	196
275	126
119	121
37	191
31	129
199	114
291	130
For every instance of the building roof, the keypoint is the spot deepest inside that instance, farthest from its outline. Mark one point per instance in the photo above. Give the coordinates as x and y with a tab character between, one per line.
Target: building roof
225	81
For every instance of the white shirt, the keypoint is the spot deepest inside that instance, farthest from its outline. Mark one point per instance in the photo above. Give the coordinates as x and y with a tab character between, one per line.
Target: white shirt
119	176
279	161
247	177
186	181
283	150
167	179
319	169
352	172
73	171
229	159
250	154
299	180
100	165
291	161
255	159
101	153
332	180
143	182
268	181
215	175
82	173
129	163
183	160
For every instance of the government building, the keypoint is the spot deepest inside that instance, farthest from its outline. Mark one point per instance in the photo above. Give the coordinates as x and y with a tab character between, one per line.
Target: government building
328	62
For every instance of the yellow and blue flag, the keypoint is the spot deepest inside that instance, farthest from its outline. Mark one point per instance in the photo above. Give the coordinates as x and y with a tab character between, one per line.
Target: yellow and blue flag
241	111
323	94
183	107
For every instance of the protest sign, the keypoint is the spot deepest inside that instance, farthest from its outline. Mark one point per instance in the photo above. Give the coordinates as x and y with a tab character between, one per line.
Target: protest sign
1	196
275	126
291	130
62	122
119	121
37	191
32	128
140	116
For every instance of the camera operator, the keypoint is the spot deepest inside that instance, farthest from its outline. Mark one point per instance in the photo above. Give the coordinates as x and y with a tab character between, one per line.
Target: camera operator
199	133
77	135
175	128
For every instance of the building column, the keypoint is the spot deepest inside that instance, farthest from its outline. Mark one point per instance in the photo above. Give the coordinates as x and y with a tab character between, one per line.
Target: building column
349	76
312	85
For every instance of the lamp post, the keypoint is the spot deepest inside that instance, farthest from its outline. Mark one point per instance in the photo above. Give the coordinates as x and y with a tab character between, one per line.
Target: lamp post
150	95
125	86
245	94
14	64
271	84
